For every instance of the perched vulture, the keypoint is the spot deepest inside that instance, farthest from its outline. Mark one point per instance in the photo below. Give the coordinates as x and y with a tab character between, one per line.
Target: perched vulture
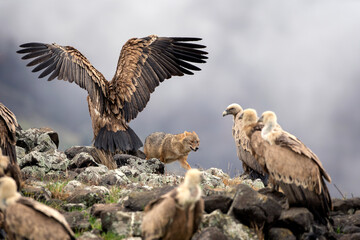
143	64
177	214
8	125
291	165
26	218
242	143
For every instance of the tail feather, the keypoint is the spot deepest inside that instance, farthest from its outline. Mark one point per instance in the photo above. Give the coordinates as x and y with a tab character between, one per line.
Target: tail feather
124	141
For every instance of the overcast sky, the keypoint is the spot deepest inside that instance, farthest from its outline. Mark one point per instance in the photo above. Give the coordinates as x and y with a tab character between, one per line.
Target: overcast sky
300	59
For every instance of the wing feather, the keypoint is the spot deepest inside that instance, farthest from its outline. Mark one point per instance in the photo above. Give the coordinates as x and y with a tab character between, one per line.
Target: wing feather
147	62
68	64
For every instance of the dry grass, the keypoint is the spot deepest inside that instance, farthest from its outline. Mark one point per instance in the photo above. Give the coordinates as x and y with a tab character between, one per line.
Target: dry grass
57	190
105	158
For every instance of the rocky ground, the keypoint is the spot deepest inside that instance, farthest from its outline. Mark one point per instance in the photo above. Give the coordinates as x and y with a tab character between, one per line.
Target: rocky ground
100	203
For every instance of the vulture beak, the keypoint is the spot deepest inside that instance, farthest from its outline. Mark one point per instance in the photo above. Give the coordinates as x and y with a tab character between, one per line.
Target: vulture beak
225	113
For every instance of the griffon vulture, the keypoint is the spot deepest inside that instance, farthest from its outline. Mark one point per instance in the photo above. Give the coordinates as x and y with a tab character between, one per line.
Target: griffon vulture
26	218
8	125
242	143
177	214
291	165
143	64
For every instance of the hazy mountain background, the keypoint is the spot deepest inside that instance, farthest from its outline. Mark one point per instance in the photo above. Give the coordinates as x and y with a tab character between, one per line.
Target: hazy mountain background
300	59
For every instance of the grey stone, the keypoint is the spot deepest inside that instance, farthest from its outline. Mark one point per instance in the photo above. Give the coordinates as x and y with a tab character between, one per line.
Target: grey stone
212	181
77	221
352	236
51	160
98	209
92	174
145	166
210	233
344	205
43	139
73	206
138	200
72	186
228	225
81	160
342	221
75	150
156	180
298	220
251	207
114	177
214	202
280	234
37	193
87	196
122	223
89	236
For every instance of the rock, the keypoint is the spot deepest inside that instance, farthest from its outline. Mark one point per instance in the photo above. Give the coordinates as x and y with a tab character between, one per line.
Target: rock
33	172
298	220
138	200
251	207
20	152
52	160
39	139
97	209
214	202
131	173
212	181
77	221
227	225
346	205
144	166
217	172
92	174
73	206
72	186
355	236
75	150
82	160
277	196
89	196
89	236
280	234
344	222
156	180
122	223
210	233
37	193
114	177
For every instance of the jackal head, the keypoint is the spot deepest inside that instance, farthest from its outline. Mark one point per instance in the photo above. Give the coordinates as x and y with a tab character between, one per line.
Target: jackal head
191	140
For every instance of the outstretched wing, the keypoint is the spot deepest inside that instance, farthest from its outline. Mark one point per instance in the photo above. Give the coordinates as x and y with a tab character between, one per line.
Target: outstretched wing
68	64
144	63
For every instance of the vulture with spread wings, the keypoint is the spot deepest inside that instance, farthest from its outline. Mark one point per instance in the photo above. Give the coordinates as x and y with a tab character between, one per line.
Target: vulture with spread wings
8	125
142	65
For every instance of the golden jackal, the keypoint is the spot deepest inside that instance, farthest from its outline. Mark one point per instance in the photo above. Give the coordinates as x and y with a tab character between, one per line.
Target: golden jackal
169	148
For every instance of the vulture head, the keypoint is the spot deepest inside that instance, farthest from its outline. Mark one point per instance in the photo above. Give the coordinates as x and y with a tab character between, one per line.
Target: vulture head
190	192
233	109
8	192
271	129
249	116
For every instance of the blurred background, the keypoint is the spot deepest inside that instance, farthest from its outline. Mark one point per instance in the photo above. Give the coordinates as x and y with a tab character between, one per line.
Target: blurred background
300	59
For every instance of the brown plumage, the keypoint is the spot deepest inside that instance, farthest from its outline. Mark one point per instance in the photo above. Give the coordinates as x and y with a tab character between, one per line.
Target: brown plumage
8	125
242	143
142	65
177	214
26	218
290	164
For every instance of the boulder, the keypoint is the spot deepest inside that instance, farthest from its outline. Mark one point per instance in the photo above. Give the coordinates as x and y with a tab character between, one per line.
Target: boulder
39	139
298	220
89	196
227	225
82	160
145	166
214	202
122	223
77	221
210	233
251	207
137	201
114	177
280	234
345	205
98	209
92	174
